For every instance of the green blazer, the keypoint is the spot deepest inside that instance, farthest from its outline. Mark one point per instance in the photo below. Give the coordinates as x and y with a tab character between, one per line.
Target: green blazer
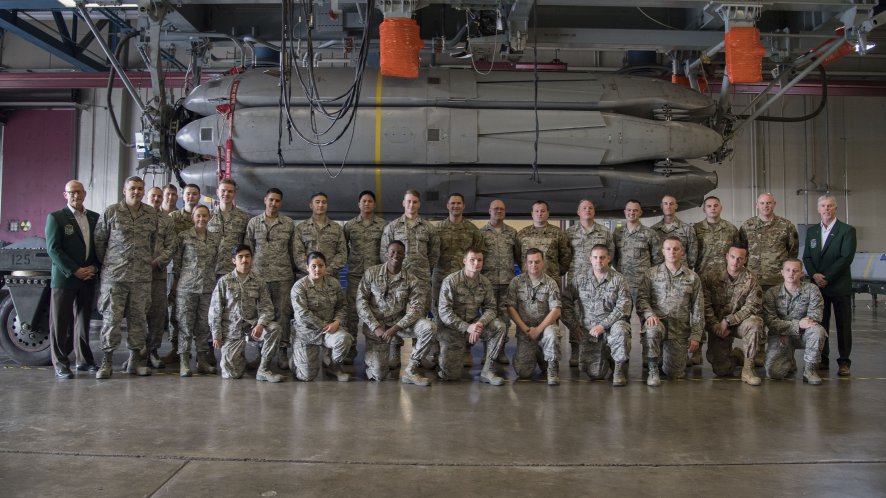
67	249
831	258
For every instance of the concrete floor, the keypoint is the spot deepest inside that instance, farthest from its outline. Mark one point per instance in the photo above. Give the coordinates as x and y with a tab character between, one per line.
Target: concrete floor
166	436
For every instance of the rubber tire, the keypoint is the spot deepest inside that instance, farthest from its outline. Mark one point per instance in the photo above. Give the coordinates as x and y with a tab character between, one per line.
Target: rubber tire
10	346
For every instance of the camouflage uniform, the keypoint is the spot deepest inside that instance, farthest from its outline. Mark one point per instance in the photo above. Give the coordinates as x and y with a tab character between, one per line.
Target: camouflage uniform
315	305
713	244
678	302
193	263
782	312
552	242
533	304
464	301
455	239
588	303
502	252
769	244
124	243
384	300
422	245
328	239
683	231
634	252
181	220
740	302
364	240
238	304
581	241
230	227
157	311
274	246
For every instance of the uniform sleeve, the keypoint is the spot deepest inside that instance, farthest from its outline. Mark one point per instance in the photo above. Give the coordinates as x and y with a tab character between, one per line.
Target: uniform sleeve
696	317
655	248
54	247
340	258
415	308
364	297
564	250
216	310
341	304
692	250
644	297
433	245
571	306
708	285
301	308
775	324
447	314
385	240
249	235
753	304
489	306
793	240
101	235
299	251
622	308
178	254
167	242
816	304
265	305
610	243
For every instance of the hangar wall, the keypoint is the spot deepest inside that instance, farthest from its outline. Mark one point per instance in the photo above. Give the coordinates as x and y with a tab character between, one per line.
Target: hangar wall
842	147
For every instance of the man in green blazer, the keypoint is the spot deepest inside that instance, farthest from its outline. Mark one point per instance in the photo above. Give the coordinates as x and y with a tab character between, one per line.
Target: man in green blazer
828	254
74	270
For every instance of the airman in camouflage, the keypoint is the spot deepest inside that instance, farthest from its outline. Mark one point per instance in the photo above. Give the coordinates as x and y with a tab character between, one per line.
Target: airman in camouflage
363	235
792	313
671	226
163	247
319	233
420	237
182	219
502	253
193	263
771	239
318	302
635	246
733	304
467	308
228	223
533	302
240	310
671	305
715	235
274	242
170	198
391	302
124	242
597	309
549	239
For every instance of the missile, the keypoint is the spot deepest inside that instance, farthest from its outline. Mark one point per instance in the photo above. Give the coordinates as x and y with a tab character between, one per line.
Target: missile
432	136
561	186
466	89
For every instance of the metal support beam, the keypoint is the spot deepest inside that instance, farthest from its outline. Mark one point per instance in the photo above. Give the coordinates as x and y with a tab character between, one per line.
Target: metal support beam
10	22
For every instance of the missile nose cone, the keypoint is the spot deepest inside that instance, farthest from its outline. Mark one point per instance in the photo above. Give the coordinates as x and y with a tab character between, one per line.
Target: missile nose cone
196	100
712	178
188	136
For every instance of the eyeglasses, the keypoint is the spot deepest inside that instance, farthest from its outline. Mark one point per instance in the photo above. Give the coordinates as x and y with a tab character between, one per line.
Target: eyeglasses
75	192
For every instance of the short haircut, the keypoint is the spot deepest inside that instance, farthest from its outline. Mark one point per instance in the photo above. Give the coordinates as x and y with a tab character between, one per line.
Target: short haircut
172	187
455	194
158	188
601	246
315	255
634	201
240	248
542	202
412	192
198	206
738	245
318	194
706	199
826	196
672	238
366	192
134	179
229	181
274	190
792	260
534	250
396	242
475	250
585	199
193	185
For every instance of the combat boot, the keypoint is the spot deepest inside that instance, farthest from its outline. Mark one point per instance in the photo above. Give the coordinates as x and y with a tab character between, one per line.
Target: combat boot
553	373
155	361
204	366
394	355
810	375
137	364
283	358
184	366
488	375
351	355
171	357
264	372
411	375
336	371
696	358
653	380
573	355
105	371
748	376
618	375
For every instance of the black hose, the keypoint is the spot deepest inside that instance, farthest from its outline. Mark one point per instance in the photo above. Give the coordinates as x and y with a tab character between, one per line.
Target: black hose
816	112
123	42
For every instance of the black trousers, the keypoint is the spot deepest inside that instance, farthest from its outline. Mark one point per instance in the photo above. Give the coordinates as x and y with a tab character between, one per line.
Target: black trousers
843	319
69	313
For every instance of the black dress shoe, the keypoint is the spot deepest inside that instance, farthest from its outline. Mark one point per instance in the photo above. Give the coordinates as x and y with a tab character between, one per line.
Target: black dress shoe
87	367
63	373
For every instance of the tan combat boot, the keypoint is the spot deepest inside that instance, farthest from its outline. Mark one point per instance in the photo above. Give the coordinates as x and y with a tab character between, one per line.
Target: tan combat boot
411	375
204	366
748	376
810	375
107	368
264	372
553	373
653	380
488	375
184	365
618	375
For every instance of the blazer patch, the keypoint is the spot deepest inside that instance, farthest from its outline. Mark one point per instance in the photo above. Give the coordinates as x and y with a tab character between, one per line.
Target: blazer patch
813	243
69	229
